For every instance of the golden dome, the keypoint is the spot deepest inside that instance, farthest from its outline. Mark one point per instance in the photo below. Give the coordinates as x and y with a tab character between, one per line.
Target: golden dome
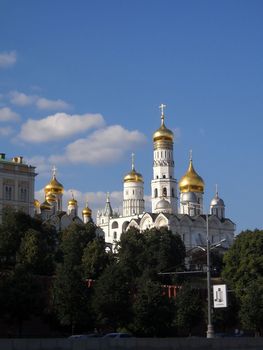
36	203
191	181
45	206
72	201
163	134
133	176
54	186
86	211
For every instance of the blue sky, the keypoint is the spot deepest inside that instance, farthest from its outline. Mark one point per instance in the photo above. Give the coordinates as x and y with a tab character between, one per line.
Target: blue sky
81	82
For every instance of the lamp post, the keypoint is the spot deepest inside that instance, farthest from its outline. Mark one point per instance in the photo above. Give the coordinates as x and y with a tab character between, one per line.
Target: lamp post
210	328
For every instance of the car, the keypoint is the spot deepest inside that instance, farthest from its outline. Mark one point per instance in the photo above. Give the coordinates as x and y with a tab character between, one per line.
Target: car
83	336
117	335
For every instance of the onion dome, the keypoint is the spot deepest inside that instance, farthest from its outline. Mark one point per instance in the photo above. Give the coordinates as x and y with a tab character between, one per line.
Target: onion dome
73	202
191	181
87	211
217	201
45	206
54	186
163	134
133	176
36	203
163	204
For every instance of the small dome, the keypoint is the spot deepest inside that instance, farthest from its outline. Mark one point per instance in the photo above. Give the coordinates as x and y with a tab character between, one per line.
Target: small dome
45	206
73	202
36	203
54	186
163	204
163	134
86	211
133	176
217	202
189	197
191	181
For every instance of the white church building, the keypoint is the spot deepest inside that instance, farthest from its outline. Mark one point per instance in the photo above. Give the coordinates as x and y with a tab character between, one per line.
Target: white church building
183	214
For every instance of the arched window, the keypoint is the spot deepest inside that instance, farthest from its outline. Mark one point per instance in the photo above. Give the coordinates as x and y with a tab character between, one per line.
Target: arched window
125	225
172	192
115	225
164	176
156	193
165	192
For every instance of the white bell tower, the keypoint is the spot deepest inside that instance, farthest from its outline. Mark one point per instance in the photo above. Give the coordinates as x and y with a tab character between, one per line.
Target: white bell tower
164	185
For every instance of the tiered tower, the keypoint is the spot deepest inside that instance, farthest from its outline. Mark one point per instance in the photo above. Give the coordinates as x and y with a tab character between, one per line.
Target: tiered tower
164	185
133	192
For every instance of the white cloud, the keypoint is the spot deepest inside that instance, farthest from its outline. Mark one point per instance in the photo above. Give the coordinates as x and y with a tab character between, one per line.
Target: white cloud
58	126
21	99
106	145
7	115
7	59
44	103
6	131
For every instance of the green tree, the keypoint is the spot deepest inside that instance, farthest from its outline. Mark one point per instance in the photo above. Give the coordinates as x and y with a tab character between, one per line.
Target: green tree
153	311
20	296
189	309
150	252
13	230
71	295
35	254
95	259
131	252
75	239
164	251
243	272
244	261
251	310
112	298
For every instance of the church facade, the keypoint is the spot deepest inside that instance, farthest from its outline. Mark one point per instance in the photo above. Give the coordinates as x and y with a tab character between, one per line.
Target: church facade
178	206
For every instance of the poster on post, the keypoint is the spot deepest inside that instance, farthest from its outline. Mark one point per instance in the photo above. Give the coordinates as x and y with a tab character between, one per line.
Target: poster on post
220	295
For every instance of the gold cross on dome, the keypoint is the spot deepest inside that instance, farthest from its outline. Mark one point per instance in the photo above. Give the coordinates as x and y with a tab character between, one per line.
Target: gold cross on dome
162	106
54	170
133	155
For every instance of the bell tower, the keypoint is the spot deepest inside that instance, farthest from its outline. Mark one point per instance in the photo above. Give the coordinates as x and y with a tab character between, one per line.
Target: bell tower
164	185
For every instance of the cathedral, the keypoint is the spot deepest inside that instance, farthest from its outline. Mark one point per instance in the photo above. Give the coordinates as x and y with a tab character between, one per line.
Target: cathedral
183	214
175	205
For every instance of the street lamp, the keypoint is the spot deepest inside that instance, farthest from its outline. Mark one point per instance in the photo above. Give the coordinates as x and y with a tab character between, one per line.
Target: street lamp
210	329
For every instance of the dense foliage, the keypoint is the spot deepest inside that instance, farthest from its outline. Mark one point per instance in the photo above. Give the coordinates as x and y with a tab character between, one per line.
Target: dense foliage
243	272
68	279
